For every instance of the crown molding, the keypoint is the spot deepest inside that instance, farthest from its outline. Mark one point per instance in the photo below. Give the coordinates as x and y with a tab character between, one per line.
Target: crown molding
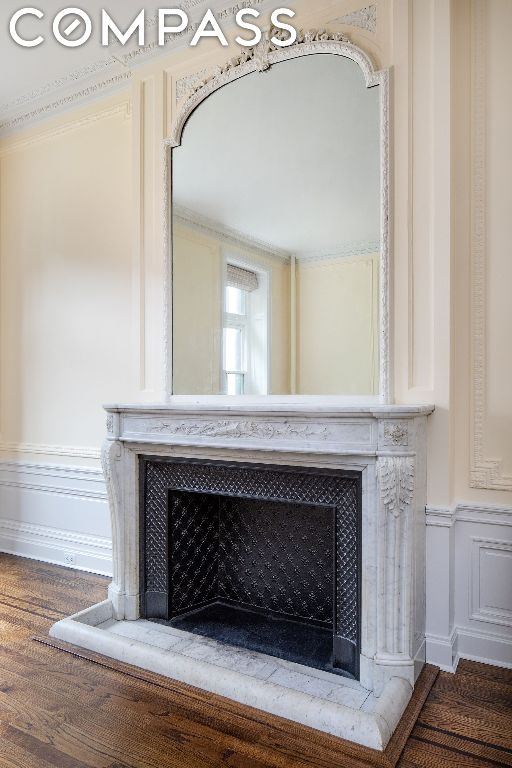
52	108
110	73
345	250
227	235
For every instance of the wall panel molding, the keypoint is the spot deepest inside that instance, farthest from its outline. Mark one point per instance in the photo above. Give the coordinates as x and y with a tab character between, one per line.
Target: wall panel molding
485	472
469	572
485	556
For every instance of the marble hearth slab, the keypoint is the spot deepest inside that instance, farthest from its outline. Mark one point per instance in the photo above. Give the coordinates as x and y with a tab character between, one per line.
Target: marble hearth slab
312	697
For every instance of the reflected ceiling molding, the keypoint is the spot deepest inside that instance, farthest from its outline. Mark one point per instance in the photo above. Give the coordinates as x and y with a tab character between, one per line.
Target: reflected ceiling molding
346	250
365	18
227	235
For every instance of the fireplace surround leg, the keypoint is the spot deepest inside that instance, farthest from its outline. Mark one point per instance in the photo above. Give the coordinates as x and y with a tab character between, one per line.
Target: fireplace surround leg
120	470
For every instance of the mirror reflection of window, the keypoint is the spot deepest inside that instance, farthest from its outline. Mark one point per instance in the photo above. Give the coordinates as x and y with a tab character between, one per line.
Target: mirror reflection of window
245	331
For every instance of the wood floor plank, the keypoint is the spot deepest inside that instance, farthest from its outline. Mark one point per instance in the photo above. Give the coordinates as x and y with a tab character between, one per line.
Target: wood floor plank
445	739
63	711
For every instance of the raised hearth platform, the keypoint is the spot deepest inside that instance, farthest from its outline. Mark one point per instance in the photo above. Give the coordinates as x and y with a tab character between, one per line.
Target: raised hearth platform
328	702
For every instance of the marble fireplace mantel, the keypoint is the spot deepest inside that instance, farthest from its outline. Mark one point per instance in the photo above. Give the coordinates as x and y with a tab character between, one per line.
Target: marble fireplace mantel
387	445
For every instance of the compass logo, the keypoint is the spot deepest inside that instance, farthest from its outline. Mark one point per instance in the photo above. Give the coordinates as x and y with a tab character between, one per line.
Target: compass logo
73	27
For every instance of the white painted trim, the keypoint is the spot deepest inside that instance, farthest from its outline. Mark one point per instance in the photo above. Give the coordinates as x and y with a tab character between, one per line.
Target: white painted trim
51	545
442	651
40	491
467	526
466	512
477	612
485	647
50	450
440	517
13	475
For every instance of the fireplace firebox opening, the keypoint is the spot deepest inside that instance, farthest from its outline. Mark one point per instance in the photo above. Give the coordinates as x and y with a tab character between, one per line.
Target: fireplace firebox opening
261	557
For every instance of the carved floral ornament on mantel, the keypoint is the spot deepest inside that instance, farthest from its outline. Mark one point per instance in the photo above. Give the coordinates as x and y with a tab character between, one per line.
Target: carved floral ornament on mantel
396	434
241	429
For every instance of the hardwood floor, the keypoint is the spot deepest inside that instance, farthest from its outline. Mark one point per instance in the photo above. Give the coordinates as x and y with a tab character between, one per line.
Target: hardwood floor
64	711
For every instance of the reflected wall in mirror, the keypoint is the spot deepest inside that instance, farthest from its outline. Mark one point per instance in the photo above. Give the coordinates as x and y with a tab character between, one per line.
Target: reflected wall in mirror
276	207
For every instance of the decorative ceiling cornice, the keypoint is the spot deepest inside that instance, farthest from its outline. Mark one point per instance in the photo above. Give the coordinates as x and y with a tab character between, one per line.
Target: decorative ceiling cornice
109	72
49	108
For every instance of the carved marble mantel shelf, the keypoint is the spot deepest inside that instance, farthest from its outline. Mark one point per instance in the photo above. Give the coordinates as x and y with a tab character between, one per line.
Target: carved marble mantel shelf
385	443
343	429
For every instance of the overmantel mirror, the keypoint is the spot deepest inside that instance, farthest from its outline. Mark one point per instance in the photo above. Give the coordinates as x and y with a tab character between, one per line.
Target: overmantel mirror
279	258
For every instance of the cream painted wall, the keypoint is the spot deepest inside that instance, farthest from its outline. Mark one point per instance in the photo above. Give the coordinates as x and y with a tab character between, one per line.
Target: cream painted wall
337	326
66	294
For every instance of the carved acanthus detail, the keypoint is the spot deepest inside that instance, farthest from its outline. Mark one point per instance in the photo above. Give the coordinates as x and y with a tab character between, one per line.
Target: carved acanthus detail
396	477
240	429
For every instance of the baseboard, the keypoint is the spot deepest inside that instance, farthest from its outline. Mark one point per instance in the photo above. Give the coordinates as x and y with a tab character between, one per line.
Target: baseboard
443	651
485	647
464	643
58	546
57	514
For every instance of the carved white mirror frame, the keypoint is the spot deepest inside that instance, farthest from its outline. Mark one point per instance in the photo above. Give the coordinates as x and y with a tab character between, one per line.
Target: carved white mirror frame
259	59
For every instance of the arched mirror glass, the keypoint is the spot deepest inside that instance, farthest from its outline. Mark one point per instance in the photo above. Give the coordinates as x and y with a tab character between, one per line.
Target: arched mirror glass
276	207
